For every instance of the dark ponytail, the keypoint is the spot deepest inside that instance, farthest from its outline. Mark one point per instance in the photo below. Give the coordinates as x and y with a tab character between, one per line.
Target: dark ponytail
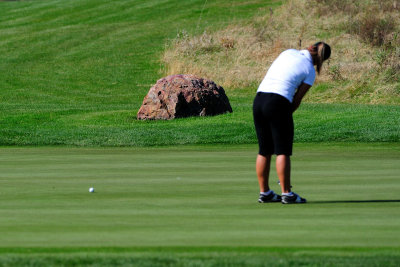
323	52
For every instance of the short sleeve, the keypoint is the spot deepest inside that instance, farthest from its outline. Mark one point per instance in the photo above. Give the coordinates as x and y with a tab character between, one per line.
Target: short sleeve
310	78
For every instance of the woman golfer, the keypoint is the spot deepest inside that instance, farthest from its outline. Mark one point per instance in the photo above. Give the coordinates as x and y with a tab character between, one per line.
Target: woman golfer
287	81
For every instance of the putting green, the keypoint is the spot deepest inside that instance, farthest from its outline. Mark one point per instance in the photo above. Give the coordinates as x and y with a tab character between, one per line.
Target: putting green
197	196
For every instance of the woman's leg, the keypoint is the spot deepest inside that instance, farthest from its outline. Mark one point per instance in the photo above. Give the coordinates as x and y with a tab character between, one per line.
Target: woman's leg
283	171
262	169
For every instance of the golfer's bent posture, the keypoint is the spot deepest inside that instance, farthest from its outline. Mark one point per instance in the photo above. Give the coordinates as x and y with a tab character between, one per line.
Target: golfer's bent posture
287	81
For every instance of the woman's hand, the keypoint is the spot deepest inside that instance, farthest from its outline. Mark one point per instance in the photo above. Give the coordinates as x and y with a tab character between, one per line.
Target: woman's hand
298	96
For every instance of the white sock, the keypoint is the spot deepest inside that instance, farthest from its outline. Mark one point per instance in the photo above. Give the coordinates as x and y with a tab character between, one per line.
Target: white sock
287	194
266	193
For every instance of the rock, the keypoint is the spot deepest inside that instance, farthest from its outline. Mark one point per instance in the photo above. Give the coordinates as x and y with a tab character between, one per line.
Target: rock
179	96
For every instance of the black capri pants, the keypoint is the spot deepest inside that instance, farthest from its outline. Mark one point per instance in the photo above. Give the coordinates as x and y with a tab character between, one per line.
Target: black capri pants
273	120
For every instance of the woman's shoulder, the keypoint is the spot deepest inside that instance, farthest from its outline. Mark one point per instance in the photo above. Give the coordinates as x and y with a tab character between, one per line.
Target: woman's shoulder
291	51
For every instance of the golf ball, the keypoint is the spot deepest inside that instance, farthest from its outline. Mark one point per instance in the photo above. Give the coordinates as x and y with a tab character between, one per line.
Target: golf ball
91	190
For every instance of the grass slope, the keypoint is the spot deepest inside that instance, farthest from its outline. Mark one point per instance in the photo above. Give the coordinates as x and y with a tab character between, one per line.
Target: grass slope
364	66
198	202
76	72
62	62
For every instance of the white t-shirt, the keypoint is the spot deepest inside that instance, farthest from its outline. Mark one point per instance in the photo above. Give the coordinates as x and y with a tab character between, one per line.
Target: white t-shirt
287	72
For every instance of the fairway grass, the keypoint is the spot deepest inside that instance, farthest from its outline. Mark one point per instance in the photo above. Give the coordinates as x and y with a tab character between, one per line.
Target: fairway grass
172	193
211	256
188	204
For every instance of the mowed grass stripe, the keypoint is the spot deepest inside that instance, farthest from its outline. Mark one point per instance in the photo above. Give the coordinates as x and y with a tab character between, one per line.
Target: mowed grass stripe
95	46
79	127
196	196
255	256
200	259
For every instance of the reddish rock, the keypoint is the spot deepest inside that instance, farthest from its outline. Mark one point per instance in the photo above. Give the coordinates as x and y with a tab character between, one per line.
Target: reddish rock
179	96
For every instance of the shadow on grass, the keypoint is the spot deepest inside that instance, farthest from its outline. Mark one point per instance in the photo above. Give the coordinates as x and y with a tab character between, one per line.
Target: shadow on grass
354	201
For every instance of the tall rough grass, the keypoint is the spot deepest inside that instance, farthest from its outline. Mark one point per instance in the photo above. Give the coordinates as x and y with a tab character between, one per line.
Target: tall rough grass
364	35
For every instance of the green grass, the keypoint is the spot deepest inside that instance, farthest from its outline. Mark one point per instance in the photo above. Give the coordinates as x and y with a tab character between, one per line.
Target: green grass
197	205
314	123
256	256
76	72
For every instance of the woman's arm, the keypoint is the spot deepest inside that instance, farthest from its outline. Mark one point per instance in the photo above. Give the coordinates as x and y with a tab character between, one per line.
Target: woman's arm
298	96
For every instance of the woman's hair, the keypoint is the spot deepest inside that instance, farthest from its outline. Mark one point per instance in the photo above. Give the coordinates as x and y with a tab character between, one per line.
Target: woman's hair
323	52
